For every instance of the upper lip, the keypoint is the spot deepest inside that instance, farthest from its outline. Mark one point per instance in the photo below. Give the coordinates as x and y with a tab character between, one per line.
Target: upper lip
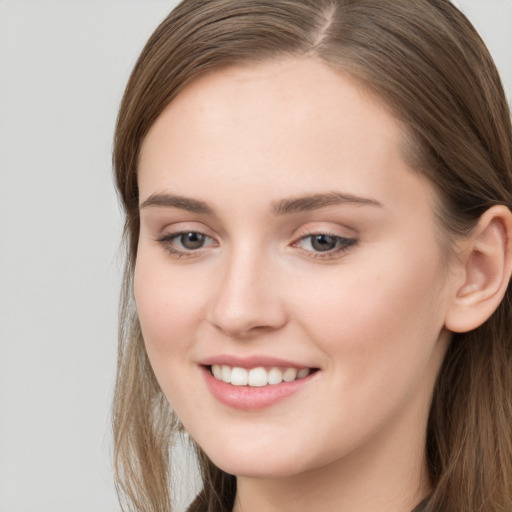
251	361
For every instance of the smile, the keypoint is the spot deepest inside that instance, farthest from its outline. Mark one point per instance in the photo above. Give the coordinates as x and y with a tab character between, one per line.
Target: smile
257	377
255	385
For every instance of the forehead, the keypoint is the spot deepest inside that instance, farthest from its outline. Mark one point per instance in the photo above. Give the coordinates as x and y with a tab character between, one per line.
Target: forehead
295	124
294	92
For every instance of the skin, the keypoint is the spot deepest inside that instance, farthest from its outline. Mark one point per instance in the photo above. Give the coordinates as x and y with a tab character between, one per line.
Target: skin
371	317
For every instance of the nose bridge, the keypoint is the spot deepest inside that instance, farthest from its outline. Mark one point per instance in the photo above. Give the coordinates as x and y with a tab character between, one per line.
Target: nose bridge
248	295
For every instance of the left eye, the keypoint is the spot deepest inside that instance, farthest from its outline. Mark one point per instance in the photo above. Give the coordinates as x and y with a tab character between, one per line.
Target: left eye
185	243
323	243
191	241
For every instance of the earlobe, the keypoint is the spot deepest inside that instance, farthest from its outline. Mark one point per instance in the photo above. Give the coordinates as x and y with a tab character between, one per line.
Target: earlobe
487	264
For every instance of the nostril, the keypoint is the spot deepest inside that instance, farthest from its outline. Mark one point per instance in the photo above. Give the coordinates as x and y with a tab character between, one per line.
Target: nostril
246	304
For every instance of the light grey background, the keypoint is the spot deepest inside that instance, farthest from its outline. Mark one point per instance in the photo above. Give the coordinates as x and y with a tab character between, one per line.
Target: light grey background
63	66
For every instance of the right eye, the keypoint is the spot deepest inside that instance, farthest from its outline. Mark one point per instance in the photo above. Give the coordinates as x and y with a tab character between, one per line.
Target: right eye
185	243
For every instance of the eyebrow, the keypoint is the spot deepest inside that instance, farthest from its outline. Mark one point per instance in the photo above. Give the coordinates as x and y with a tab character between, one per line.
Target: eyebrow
282	207
317	201
181	202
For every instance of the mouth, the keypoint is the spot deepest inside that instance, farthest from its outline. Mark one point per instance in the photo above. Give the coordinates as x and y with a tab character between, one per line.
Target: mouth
259	376
257	381
253	387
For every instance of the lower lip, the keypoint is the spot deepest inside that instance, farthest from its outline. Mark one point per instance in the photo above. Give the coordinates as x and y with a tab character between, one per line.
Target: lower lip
252	398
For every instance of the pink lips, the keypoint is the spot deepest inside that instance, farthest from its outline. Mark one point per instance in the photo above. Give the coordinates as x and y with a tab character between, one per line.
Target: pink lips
250	362
247	397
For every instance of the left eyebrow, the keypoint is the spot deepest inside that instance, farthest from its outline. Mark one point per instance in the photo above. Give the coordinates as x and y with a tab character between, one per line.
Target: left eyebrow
317	201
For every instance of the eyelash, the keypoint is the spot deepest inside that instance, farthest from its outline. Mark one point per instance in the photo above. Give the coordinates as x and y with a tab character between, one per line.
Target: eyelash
168	243
342	244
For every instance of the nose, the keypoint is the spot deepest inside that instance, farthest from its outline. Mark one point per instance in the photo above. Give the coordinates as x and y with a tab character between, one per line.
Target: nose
249	297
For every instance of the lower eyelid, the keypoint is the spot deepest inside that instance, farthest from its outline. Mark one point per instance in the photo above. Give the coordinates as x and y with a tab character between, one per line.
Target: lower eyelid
168	242
345	245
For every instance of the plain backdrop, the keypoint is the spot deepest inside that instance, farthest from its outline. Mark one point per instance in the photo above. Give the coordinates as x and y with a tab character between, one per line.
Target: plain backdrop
63	66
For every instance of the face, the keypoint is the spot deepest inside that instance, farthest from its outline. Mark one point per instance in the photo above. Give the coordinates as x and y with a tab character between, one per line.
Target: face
287	248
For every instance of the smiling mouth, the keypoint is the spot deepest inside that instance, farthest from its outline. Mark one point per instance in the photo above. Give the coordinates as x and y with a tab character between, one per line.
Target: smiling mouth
259	376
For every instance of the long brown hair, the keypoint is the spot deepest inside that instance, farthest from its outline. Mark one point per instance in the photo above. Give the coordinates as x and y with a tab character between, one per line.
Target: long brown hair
427	63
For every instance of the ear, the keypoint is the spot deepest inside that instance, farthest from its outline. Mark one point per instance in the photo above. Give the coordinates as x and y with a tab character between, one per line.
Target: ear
487	265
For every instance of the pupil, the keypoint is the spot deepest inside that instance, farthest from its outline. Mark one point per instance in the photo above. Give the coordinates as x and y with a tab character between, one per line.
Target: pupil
192	240
323	242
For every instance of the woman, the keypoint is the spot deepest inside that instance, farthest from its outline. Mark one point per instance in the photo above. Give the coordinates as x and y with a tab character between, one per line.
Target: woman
318	230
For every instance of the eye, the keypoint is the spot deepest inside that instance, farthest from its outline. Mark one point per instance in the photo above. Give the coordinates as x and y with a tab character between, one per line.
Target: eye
324	244
191	241
185	243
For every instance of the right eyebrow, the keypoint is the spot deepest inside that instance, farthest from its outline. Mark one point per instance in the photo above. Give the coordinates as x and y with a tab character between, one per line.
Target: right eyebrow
173	201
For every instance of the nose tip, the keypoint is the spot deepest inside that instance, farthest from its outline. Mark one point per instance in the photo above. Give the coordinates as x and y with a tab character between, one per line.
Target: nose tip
243	319
248	302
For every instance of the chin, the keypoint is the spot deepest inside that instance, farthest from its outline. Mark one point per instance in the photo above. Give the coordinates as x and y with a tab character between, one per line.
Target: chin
259	468
261	463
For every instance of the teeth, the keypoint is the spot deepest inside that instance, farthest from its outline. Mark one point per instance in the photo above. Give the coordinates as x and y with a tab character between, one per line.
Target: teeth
226	373
275	376
303	372
239	377
290	374
257	377
217	371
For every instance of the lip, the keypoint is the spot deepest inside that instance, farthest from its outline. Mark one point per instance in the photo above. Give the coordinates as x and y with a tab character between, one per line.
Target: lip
251	362
254	398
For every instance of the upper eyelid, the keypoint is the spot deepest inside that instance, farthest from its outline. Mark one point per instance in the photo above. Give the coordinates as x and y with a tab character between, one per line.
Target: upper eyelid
170	236
350	240
326	227
296	238
181	227
327	233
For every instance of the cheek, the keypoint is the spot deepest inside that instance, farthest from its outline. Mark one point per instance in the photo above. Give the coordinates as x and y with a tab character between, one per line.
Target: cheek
380	320
167	307
169	312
